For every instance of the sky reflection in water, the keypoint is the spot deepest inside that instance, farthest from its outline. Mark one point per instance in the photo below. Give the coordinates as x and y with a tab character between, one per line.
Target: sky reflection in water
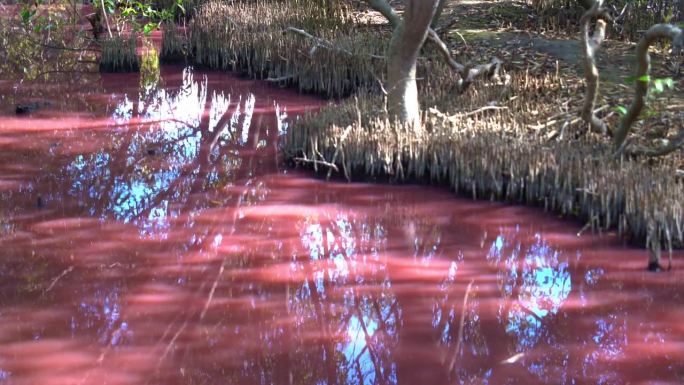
171	248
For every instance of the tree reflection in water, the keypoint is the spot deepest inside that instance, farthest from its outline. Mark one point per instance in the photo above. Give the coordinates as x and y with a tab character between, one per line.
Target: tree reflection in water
174	150
534	282
172	245
352	250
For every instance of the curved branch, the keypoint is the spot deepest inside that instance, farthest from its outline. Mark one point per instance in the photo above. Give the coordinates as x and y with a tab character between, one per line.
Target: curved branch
487	70
320	42
658	31
468	74
444	50
590	46
386	10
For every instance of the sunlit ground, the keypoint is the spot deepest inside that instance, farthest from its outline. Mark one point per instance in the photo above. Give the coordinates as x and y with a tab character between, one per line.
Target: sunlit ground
155	238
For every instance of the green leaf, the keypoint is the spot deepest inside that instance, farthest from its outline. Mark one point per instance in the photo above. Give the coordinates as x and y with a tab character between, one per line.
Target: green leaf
166	15
26	14
149	27
128	11
646	78
621	110
631	79
658	87
110	6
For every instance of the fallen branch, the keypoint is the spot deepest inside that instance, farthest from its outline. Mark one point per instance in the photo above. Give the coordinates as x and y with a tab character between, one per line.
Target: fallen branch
319	42
488	70
468	74
669	146
464	114
447	26
555	119
482	109
462	38
62	275
280	79
317	162
444	50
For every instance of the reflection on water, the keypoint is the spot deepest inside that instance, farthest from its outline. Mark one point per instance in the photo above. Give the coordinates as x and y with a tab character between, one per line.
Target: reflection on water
157	241
535	284
102	313
178	133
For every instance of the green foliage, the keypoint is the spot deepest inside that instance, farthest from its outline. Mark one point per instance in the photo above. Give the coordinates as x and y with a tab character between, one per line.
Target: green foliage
149	68
36	31
622	110
631	79
141	16
657	86
26	13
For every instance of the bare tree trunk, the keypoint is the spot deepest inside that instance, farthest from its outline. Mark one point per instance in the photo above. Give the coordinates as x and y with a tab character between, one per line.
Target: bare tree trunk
410	32
402	59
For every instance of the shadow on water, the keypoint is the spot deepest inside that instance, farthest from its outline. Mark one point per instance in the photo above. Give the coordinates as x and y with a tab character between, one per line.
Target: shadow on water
153	238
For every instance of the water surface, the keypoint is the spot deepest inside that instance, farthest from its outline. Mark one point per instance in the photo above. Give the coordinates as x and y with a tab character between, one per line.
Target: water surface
152	236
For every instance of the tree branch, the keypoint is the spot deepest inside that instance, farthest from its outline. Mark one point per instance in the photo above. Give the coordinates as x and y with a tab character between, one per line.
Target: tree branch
386	10
468	74
324	43
590	46
658	31
104	13
444	50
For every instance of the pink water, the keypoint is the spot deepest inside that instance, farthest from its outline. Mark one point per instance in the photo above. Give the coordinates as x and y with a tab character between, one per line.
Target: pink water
157	239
